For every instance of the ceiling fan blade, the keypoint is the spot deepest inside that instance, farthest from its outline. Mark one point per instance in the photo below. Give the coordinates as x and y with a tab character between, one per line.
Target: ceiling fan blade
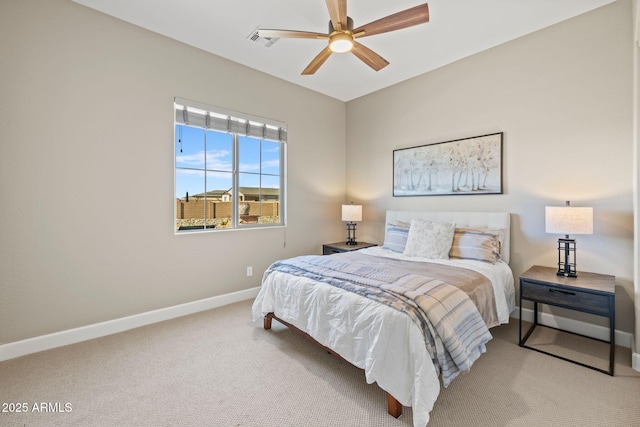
317	61
338	13
407	18
369	57
292	34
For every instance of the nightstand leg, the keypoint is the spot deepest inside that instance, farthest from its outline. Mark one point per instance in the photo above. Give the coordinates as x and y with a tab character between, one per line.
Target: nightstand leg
535	323
520	323
612	335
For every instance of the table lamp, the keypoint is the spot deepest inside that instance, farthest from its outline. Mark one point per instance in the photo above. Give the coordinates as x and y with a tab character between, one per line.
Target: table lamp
351	213
568	220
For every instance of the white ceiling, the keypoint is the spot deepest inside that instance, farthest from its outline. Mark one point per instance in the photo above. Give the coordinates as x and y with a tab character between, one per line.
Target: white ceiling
457	28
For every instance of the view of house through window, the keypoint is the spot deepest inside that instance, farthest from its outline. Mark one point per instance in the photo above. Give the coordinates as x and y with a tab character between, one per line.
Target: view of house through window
229	169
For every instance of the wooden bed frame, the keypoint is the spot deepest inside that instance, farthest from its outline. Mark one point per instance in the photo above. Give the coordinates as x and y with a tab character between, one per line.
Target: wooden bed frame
393	406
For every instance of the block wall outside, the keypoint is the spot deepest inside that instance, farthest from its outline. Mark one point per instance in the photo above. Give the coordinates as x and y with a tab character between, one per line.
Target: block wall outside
194	209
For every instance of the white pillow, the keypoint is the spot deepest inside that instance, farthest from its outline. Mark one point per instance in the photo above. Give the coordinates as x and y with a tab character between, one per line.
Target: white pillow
429	239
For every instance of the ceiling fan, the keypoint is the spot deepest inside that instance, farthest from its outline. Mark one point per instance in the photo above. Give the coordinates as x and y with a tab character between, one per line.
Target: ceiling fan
341	35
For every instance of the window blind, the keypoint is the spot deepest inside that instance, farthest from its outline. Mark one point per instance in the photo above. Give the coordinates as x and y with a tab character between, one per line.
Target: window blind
199	115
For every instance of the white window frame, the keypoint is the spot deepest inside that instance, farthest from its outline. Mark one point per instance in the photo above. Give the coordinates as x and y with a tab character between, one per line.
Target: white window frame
195	114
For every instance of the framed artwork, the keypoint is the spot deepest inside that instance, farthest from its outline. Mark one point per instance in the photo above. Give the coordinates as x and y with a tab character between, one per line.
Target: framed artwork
463	166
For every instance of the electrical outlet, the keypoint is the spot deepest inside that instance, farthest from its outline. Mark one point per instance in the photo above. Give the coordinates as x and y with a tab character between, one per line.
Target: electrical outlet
249	271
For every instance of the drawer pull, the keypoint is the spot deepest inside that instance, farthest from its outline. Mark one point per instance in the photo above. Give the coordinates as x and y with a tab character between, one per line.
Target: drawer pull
560	291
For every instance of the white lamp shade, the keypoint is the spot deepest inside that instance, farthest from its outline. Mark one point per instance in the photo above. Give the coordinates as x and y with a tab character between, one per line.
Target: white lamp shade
352	213
568	220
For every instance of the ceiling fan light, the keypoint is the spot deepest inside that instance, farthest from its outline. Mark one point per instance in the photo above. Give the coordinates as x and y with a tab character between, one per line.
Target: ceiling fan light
341	42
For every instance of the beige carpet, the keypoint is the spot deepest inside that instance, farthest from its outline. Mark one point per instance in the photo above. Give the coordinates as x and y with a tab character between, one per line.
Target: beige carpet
217	368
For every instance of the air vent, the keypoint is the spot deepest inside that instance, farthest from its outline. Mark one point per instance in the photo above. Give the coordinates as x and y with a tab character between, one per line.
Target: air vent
265	41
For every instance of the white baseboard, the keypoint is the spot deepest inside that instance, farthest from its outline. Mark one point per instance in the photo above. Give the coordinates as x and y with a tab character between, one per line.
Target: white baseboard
72	336
635	357
84	333
594	331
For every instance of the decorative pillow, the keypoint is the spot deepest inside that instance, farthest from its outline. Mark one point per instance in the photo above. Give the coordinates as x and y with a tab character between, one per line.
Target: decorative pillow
429	239
396	236
482	244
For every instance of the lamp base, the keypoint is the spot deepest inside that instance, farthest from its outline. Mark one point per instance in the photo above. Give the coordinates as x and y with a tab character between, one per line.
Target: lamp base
351	234
567	257
566	274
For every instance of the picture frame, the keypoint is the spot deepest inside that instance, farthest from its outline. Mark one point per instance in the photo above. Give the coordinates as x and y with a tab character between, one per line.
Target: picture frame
467	166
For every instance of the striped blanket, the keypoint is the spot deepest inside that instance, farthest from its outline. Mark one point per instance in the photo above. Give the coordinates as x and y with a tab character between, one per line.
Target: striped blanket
454	332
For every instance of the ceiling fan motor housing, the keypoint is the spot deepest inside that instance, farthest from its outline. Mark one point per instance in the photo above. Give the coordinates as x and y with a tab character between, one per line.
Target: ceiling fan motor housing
349	26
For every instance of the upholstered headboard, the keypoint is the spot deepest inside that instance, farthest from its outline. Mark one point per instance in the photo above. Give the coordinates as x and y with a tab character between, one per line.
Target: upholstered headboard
495	220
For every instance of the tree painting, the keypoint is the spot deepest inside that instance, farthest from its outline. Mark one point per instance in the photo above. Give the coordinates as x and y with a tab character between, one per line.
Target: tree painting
464	166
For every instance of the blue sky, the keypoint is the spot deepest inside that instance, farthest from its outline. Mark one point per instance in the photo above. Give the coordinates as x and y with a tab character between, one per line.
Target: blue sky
219	161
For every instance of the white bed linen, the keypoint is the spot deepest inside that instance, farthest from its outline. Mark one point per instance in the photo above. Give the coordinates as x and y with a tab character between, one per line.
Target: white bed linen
384	342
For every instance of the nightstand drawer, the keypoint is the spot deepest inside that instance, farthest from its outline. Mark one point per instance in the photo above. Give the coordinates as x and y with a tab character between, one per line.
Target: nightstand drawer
566	297
338	247
327	250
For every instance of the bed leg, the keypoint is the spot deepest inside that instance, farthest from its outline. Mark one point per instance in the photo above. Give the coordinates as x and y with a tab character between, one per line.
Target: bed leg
393	406
267	320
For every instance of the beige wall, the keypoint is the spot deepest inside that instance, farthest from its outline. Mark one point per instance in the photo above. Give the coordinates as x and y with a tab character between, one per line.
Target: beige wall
86	113
563	98
72	78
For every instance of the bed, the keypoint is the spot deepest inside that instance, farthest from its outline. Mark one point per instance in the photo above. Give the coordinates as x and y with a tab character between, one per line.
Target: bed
413	313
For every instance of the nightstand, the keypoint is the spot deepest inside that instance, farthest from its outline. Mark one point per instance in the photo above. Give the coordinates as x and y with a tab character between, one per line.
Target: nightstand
588	293
334	248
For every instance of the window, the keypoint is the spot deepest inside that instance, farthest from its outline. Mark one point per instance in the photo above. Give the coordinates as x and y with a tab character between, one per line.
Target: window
229	169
